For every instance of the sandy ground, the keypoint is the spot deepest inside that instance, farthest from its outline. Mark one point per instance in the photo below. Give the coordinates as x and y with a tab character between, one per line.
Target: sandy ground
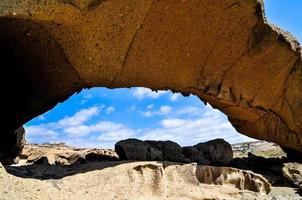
120	180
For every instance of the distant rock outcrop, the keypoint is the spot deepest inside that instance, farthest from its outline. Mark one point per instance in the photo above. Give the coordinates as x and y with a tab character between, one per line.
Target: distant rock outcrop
60	154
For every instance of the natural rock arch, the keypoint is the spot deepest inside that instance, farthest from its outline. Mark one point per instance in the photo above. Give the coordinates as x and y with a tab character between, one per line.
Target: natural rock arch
222	51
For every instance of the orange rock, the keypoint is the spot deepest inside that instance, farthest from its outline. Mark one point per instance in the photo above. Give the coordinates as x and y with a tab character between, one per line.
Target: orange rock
223	52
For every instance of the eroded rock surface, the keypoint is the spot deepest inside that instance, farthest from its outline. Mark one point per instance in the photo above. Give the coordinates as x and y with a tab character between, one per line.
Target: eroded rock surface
240	179
62	155
293	172
222	51
138	180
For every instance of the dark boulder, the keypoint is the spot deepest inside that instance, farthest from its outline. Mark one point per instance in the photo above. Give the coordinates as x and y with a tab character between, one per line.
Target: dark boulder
214	152
217	152
171	151
194	155
134	149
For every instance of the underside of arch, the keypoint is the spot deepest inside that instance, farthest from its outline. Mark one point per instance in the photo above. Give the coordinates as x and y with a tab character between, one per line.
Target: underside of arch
222	51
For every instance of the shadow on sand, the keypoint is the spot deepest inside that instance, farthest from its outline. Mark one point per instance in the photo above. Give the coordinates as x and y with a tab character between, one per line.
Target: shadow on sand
45	172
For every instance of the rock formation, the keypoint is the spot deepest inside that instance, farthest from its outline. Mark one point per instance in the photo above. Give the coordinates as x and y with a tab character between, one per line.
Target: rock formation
62	155
171	151
224	52
213	152
135	180
293	172
240	179
217	151
133	149
8	155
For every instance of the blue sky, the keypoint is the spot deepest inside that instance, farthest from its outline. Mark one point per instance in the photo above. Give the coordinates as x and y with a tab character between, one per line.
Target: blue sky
99	117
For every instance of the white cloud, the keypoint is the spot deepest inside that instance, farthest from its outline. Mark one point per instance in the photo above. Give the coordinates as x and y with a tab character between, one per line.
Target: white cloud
73	125
163	110
189	111
35	133
116	135
212	124
141	93
38	131
41	117
175	96
147	114
86	98
172	123
108	132
178	126
81	130
132	108
105	126
150	106
110	109
80	117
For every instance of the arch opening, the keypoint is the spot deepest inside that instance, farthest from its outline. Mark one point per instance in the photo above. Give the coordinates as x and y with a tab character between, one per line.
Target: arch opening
100	117
51	55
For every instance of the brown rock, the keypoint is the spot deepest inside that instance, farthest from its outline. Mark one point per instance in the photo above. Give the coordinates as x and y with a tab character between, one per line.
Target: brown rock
223	52
60	154
240	179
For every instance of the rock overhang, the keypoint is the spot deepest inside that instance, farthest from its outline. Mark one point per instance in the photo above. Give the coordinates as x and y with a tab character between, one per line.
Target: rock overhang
224	52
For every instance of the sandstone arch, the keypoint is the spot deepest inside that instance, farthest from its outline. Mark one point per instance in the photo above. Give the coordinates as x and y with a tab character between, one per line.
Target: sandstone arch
222	51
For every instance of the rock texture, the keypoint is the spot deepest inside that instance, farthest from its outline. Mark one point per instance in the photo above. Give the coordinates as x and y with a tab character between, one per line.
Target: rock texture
222	51
213	152
217	151
171	151
240	179
133	149
7	155
293	172
62	155
135	180
194	155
